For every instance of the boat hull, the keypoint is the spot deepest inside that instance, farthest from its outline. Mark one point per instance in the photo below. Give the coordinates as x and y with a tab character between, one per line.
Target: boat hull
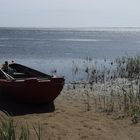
33	90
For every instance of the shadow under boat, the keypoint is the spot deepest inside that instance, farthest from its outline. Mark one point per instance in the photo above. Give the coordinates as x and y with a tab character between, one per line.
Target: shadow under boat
13	107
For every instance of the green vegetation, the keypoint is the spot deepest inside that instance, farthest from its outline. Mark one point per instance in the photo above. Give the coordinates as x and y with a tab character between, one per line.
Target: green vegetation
128	67
10	131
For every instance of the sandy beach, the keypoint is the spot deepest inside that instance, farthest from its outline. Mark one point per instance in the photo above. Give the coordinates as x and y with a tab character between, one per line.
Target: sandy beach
73	119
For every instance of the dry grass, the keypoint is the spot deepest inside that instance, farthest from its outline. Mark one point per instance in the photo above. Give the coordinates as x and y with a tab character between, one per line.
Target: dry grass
120	97
11	131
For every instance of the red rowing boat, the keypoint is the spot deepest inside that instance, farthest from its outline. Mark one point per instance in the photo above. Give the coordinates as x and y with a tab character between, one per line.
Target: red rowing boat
29	85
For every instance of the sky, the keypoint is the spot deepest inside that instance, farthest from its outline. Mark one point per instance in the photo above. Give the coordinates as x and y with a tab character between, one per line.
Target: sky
69	13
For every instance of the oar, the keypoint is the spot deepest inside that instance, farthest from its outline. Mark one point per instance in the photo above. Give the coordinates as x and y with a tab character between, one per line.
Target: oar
9	77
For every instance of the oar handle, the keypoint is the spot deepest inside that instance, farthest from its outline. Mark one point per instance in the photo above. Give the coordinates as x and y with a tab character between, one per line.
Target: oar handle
9	77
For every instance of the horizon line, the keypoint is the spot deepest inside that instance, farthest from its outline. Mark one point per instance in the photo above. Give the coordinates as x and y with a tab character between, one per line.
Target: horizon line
69	28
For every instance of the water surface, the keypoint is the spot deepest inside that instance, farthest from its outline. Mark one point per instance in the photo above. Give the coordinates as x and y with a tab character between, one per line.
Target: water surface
64	49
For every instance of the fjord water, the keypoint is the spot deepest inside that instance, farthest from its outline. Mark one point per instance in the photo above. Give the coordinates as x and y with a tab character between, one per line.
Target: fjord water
61	49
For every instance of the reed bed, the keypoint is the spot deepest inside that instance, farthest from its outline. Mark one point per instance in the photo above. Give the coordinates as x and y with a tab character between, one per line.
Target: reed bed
120	98
114	89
